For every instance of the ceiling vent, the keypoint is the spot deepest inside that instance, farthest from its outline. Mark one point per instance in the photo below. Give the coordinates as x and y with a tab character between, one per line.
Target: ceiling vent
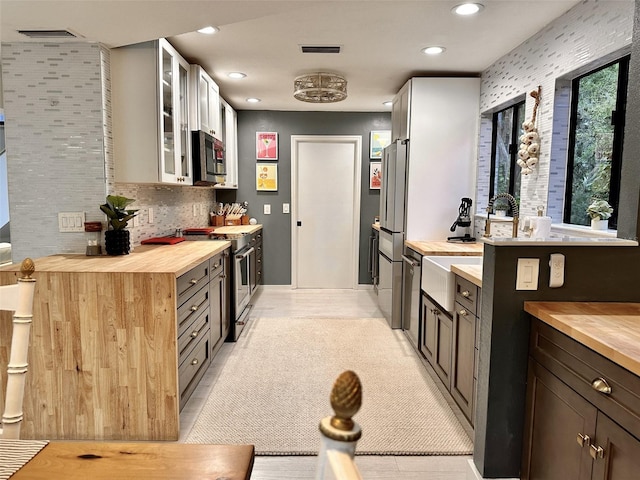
320	48
48	33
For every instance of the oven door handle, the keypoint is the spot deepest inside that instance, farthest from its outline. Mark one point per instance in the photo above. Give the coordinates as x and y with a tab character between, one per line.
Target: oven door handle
245	254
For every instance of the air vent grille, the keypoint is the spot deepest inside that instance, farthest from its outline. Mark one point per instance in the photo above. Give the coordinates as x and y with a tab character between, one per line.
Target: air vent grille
320	48
47	33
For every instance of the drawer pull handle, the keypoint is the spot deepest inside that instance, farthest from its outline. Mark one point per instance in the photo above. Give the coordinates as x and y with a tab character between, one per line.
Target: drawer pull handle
583	440
194	308
466	294
601	385
216	265
193	281
463	312
195	333
194	361
596	452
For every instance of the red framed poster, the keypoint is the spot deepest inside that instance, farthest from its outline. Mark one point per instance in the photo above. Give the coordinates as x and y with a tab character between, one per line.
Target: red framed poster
266	145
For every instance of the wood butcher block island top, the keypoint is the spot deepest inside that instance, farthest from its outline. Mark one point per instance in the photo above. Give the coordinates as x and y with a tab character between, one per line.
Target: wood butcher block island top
446	248
611	329
103	361
175	259
237	229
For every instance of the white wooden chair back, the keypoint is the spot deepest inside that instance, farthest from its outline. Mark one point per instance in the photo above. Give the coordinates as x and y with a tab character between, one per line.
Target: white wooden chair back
17	298
339	433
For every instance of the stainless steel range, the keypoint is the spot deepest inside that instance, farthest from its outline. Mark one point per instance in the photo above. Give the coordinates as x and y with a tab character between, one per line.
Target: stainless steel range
242	282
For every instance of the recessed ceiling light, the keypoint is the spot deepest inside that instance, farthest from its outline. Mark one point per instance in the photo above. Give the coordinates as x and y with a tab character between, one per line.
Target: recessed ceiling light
236	75
388	104
467	8
253	100
433	50
208	30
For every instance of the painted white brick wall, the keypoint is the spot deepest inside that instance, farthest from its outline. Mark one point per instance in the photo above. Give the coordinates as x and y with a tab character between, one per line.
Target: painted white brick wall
591	32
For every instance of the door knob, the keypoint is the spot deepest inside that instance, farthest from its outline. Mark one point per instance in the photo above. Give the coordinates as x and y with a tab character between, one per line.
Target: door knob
596	452
583	440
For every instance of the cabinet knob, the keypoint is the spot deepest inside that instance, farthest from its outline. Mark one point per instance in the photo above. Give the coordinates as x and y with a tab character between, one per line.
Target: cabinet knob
193	281
463	312
466	294
195	333
194	308
596	452
601	385
583	440
194	361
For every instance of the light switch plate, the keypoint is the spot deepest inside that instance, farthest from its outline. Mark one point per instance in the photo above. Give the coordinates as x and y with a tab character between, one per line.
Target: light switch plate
527	275
150	215
71	222
267	209
285	208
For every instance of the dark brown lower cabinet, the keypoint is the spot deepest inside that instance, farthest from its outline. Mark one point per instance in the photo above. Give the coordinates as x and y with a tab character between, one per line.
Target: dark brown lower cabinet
437	339
463	365
573	430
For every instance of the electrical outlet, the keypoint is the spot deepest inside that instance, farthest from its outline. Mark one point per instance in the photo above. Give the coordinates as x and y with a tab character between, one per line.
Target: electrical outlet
267	209
136	221
203	209
195	209
150	215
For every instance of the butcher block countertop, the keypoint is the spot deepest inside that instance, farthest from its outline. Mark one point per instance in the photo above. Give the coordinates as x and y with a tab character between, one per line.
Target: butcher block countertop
473	273
237	229
176	259
445	248
611	329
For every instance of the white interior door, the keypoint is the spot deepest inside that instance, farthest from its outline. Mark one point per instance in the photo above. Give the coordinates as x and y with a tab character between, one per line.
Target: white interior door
326	211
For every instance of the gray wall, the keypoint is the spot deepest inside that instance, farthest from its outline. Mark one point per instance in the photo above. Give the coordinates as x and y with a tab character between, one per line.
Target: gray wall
277	226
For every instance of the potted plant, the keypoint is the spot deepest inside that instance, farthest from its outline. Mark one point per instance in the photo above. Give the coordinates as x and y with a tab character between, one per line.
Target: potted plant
117	237
599	211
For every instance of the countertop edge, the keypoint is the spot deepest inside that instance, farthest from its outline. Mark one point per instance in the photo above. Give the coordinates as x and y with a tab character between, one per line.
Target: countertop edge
468	273
566	318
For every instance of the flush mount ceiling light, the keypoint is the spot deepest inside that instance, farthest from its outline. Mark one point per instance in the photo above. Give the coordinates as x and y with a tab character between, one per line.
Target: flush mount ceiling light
388	104
253	100
209	30
236	75
467	8
320	87
434	50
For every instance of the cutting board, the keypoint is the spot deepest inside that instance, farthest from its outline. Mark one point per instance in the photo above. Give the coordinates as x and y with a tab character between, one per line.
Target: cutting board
162	241
199	231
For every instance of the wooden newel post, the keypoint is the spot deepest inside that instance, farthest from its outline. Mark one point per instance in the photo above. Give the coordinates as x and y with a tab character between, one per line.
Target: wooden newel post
339	433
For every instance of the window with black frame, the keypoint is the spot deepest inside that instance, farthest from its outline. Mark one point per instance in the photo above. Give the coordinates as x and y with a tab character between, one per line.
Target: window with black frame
598	101
506	131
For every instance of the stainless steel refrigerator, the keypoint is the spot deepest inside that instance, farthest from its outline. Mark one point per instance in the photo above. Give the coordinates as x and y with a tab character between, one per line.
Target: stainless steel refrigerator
392	227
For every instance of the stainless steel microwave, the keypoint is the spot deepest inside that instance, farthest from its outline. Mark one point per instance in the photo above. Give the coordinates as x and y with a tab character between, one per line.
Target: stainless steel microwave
207	153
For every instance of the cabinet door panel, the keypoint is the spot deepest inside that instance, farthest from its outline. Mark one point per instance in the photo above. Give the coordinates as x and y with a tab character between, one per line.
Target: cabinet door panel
621	456
217	295
444	339
555	416
428	340
464	336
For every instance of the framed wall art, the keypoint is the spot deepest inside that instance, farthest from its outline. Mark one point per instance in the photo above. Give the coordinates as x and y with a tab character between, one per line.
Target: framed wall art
267	177
267	146
378	141
375	175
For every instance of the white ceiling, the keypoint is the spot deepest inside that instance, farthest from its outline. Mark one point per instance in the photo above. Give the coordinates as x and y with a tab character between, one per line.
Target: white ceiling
380	40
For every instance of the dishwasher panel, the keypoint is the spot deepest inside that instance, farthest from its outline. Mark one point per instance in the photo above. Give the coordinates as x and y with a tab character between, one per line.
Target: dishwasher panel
411	297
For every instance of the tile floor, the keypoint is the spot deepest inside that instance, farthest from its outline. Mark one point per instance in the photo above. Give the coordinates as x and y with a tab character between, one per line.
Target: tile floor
274	301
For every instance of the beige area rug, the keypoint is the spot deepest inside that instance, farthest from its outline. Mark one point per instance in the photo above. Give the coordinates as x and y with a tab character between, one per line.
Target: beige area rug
274	390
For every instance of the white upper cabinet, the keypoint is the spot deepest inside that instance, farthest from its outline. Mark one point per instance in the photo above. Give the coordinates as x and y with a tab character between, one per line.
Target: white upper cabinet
230	137
400	113
204	108
150	108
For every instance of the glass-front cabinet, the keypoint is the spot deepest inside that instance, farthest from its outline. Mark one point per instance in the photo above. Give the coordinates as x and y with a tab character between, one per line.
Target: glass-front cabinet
150	105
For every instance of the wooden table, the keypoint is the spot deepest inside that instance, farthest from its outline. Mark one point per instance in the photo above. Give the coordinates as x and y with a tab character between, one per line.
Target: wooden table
139	461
